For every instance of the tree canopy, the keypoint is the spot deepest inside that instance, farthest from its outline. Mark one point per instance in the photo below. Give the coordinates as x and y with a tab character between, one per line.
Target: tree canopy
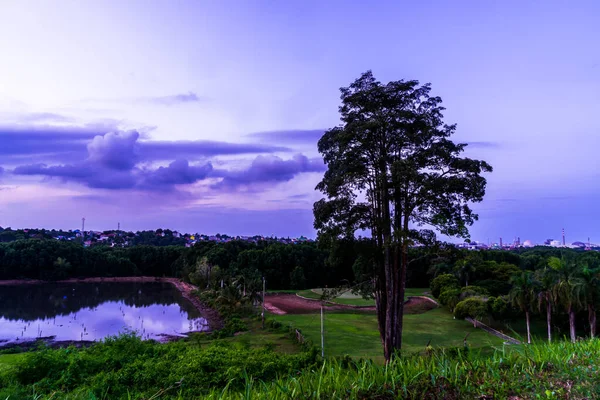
393	171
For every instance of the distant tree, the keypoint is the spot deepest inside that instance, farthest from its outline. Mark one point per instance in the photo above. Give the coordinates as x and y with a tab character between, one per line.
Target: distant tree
391	168
567	289
590	279
522	295
297	278
62	267
547	279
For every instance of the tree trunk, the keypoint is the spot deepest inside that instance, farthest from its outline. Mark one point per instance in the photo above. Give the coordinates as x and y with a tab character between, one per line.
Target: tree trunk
549	319
572	324
592	319
401	294
528	330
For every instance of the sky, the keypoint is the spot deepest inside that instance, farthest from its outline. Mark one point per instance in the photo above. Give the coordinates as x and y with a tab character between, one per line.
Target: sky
203	116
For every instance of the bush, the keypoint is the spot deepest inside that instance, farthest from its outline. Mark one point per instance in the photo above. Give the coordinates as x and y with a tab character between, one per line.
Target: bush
472	307
499	308
443	282
495	287
450	298
472	291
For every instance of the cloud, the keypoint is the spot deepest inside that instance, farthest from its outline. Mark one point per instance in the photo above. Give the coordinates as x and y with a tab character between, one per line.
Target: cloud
484	145
46	142
114	150
68	144
289	136
43	117
268	169
177	173
162	150
183	98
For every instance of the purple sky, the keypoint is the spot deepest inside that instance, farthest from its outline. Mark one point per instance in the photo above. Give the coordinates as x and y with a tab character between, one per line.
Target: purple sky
204	116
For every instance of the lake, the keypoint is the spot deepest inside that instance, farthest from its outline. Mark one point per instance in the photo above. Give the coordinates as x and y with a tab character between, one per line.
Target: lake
93	311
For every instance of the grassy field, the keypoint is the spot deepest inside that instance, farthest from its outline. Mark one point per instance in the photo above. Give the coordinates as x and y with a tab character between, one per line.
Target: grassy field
357	334
351	299
256	337
8	360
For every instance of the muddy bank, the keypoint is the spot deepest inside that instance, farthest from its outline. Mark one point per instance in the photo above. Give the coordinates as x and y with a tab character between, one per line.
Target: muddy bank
213	318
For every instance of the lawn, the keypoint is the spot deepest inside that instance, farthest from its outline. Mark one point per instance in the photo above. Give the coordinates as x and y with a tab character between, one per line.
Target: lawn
357	334
256	337
8	360
351	299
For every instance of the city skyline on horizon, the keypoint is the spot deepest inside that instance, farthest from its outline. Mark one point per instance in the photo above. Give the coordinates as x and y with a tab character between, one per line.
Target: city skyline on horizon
207	115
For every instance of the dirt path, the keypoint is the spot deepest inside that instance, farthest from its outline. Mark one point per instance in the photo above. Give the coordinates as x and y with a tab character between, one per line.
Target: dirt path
291	304
186	289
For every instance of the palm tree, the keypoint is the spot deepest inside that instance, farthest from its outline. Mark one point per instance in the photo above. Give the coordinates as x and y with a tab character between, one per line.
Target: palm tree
590	277
522	295
465	267
546	278
567	289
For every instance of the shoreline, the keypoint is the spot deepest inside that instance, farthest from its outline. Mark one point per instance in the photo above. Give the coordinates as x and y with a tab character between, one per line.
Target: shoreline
213	318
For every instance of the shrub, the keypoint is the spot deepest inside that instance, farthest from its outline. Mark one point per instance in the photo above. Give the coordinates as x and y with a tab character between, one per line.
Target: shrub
450	298
443	282
495	287
499	308
472	291
472	307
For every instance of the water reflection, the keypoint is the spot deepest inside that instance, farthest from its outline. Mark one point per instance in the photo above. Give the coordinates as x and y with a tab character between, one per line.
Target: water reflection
92	311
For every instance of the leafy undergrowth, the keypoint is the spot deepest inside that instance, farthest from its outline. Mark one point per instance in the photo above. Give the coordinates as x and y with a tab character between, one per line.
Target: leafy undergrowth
131	369
127	367
558	371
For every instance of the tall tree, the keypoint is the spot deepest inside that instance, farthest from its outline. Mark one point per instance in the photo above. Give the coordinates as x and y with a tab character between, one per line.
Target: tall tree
546	278
567	289
590	279
392	169
522	295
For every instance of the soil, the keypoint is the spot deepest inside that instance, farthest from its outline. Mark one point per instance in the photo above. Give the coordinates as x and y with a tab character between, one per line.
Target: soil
212	316
281	303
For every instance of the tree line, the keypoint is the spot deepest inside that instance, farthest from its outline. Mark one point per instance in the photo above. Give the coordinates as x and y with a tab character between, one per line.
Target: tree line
559	286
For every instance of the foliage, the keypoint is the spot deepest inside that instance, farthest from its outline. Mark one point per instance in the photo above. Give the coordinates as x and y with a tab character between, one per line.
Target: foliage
442	283
472	291
392	168
119	365
471	307
450	298
559	370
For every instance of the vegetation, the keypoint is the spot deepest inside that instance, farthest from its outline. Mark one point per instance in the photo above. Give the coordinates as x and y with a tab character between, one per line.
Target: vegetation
129	368
394	149
356	334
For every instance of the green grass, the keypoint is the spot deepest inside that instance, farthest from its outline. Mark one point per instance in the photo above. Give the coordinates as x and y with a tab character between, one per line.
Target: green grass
357	334
255	337
559	371
351	299
9	360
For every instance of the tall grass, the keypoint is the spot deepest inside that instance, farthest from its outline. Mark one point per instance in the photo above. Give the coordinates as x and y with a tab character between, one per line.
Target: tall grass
561	370
539	371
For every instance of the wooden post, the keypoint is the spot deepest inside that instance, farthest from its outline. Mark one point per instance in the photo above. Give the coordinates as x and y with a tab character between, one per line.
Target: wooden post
263	304
322	336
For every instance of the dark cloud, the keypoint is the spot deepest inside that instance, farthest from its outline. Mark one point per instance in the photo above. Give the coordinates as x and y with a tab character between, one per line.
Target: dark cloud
72	144
115	150
289	136
268	169
160	150
48	142
177	173
183	98
88	174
